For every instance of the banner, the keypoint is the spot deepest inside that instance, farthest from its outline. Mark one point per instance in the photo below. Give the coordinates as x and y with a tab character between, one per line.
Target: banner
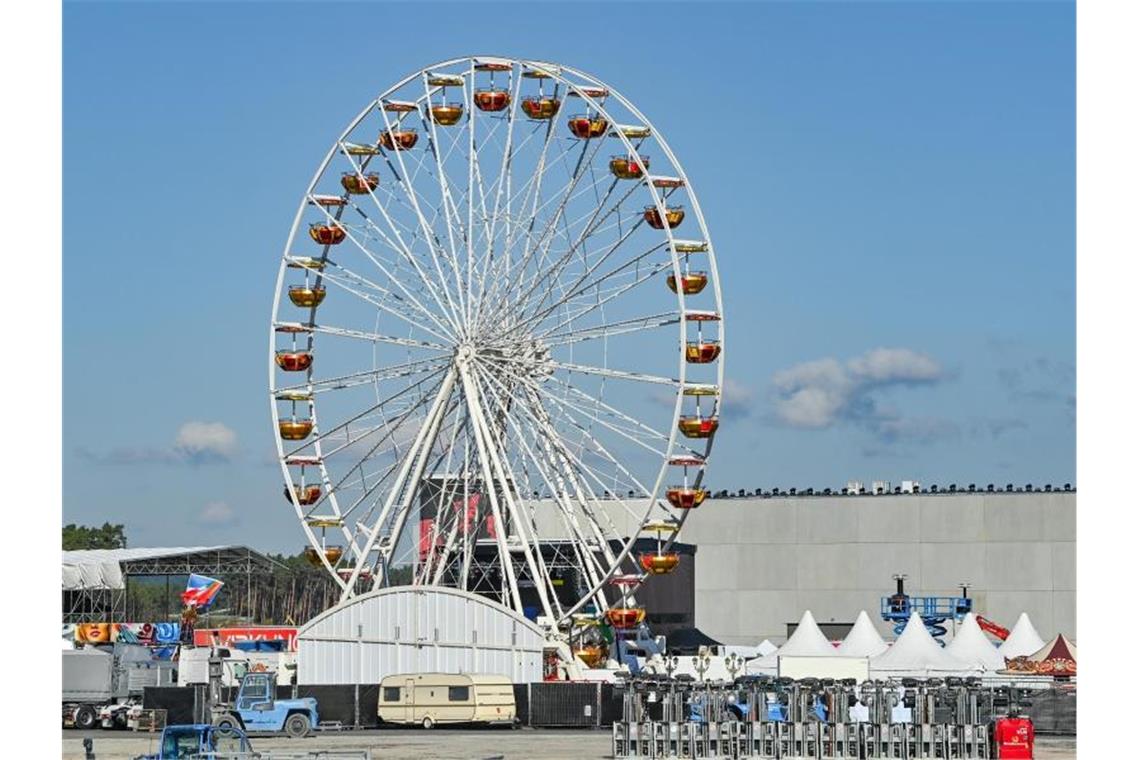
228	637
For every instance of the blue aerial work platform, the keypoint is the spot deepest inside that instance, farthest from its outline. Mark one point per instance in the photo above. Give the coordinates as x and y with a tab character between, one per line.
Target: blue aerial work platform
934	610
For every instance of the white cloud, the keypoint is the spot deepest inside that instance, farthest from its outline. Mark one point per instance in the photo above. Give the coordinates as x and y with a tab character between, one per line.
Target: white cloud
826	392
735	400
202	442
217	514
196	443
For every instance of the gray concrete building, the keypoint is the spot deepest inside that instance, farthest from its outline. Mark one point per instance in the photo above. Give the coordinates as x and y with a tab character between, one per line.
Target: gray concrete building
760	562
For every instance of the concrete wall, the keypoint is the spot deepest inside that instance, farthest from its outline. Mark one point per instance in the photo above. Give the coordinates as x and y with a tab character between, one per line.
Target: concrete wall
761	562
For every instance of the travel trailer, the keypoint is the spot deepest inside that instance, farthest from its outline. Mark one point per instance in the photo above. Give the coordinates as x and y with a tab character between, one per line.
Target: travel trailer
429	699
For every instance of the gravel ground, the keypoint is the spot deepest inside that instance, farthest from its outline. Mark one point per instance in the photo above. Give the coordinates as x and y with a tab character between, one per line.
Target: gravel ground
439	743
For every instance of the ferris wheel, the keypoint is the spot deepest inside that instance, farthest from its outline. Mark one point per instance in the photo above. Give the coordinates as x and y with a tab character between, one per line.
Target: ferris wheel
496	354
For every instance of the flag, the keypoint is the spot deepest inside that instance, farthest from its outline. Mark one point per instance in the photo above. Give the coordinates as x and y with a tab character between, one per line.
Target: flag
201	591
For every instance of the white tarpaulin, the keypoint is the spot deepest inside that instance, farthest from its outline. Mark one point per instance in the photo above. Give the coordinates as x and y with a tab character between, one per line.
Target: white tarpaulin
1022	640
971	646
863	640
806	641
916	653
100	568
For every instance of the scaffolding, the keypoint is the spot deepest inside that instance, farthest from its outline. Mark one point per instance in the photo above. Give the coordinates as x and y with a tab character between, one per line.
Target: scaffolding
96	583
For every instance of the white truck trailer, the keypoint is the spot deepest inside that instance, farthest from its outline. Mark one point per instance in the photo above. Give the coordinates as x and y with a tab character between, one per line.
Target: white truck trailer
100	684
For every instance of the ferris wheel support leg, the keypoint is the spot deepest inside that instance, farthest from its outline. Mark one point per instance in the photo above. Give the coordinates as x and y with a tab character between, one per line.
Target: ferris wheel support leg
535	561
411	490
483	443
401	479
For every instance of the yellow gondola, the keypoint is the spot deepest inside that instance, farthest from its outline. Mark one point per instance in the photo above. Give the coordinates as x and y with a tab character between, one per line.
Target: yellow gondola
691	282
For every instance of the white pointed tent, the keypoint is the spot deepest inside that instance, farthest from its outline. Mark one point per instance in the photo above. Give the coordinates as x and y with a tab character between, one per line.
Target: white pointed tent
916	653
766	647
971	646
862	640
1022	640
806	641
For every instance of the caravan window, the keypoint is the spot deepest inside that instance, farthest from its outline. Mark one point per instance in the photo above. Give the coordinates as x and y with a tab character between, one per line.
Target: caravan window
391	693
458	693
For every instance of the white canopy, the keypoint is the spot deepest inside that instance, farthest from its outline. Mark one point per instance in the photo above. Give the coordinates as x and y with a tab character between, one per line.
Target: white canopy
862	640
971	646
916	653
766	647
1022	640
806	641
101	568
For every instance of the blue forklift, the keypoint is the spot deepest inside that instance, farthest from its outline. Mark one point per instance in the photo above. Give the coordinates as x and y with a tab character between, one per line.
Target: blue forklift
257	709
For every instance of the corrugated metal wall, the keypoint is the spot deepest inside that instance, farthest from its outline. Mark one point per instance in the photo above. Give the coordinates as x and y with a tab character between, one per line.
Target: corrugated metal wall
409	630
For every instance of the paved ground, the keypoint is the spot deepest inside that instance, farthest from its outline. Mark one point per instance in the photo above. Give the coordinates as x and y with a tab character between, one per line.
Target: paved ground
418	744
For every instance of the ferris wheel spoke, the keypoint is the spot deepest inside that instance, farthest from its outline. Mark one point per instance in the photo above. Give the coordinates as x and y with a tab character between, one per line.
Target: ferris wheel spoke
585	158
591	306
501	184
638	433
372	337
321	436
411	312
591	227
537	251
368	376
610	329
400	246
450	210
430	239
540	429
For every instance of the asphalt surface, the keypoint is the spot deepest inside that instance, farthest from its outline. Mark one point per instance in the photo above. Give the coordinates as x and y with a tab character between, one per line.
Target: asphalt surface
441	743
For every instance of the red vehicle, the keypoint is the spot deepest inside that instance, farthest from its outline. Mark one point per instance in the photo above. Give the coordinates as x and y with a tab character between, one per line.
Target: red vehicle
1013	738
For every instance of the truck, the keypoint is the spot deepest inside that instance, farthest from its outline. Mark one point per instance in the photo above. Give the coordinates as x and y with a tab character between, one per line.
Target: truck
257	709
101	684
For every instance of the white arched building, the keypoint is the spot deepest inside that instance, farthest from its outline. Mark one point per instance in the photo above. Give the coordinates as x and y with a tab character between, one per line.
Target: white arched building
410	629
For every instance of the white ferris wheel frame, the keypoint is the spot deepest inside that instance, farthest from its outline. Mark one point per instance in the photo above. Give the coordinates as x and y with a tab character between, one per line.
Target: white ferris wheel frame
459	318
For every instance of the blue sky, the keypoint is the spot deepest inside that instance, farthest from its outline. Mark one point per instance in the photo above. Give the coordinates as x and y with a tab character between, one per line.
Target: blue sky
890	188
